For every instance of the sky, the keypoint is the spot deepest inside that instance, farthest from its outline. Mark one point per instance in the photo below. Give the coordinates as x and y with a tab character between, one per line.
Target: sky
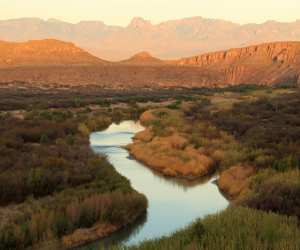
120	12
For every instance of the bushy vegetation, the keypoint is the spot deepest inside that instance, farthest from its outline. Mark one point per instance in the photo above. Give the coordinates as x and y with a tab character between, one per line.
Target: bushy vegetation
30	98
273	191
257	130
166	120
234	229
51	183
41	221
268	125
40	156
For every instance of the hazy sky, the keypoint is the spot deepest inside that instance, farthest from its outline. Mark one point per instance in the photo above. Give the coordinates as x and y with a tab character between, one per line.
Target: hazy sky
120	12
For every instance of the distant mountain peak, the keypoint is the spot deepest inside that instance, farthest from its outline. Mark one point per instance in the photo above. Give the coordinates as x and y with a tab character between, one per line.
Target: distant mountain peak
53	20
168	39
139	22
142	55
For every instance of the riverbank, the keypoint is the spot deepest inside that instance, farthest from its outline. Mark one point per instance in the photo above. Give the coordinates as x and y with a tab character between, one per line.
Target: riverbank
82	237
257	140
188	200
166	146
53	188
167	149
193	139
235	228
52	184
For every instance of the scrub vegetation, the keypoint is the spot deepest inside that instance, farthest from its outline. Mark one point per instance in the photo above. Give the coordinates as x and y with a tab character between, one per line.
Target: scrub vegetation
234	229
52	184
240	129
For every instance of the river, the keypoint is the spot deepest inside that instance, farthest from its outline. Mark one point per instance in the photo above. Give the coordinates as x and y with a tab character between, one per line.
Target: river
173	203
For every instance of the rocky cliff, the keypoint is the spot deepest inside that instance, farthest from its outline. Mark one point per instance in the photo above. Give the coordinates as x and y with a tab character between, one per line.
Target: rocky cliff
276	52
268	63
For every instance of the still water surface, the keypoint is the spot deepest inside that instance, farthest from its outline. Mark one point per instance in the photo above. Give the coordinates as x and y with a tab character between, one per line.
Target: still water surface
173	204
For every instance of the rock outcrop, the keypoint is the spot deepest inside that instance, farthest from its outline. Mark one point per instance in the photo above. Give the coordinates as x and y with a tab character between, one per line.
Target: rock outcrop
265	64
277	52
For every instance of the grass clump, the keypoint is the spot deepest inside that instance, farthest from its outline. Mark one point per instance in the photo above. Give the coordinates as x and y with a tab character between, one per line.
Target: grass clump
234	229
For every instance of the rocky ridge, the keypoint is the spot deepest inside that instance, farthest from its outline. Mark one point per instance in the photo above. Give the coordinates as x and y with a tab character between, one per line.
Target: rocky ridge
54	62
169	39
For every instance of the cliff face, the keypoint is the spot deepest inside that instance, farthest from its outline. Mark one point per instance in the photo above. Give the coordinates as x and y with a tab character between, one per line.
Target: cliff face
44	52
278	52
269	63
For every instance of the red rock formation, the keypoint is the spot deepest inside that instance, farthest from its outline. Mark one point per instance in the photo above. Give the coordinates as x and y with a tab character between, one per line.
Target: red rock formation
268	63
143	58
277	52
55	62
44	52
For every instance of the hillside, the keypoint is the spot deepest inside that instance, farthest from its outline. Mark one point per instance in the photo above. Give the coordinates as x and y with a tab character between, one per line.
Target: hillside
49	62
268	63
44	52
143	58
169	39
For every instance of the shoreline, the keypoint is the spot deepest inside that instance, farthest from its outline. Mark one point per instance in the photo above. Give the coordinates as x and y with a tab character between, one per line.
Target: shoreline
95	233
173	156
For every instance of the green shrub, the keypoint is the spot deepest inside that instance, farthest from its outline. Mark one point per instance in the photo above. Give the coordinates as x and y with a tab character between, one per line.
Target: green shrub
277	192
235	229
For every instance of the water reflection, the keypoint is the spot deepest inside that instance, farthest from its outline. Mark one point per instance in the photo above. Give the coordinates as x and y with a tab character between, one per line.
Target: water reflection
173	203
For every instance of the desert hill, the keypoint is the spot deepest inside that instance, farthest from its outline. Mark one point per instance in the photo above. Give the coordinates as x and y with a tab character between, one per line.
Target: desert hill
44	52
51	62
143	58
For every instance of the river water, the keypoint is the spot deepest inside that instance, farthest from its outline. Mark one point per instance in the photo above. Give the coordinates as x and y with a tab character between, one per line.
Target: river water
173	203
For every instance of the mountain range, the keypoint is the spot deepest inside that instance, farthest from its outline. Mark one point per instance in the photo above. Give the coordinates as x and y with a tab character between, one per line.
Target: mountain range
168	40
54	62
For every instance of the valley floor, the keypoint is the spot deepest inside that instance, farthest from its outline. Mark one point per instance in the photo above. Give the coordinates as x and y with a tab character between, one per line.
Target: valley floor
52	186
251	139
